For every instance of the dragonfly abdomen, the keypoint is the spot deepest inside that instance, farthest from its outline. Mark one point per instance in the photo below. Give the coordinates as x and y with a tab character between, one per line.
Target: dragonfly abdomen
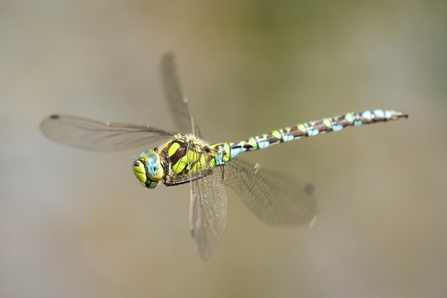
313	128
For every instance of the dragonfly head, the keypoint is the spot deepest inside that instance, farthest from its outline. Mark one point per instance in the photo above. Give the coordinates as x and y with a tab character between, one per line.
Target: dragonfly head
148	168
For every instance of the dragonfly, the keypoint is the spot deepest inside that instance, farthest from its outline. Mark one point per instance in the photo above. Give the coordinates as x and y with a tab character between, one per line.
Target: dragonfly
274	197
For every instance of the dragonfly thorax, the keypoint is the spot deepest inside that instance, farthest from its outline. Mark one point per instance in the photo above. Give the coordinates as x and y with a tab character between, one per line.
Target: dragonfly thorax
148	168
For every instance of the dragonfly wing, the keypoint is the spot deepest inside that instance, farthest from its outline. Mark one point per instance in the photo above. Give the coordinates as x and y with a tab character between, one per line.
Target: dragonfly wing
275	198
208	208
99	135
178	103
195	128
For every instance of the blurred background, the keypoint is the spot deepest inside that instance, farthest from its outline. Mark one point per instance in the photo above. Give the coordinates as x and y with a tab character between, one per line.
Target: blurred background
75	223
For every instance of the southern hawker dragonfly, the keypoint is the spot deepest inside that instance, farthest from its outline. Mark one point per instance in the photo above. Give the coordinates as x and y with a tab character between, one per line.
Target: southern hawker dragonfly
274	197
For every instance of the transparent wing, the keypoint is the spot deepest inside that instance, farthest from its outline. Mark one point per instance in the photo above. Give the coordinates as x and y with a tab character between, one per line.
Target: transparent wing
178	104
208	207
195	127
99	135
275	198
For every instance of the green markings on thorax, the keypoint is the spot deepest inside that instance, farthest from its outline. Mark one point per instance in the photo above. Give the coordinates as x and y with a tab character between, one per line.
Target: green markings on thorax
184	154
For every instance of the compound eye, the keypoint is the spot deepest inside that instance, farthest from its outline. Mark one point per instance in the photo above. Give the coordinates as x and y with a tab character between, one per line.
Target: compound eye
140	172
154	167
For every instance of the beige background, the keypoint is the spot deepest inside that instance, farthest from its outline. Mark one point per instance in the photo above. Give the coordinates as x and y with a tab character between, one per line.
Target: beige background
75	223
